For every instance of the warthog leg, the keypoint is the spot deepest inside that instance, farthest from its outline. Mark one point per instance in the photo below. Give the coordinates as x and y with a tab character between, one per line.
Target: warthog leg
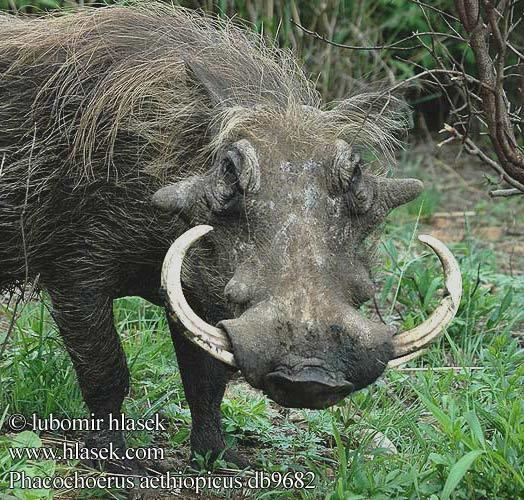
85	320
204	379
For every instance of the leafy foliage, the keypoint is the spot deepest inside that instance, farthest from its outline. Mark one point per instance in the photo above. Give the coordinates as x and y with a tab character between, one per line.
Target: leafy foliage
457	421
459	432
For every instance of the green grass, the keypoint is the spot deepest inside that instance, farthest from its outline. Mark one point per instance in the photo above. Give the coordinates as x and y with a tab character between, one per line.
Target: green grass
458	434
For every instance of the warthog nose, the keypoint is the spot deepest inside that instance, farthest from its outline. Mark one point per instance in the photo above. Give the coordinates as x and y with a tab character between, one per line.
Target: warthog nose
311	387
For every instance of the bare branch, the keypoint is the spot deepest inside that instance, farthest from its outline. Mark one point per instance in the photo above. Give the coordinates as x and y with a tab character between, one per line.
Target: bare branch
474	150
435	9
505	192
491	73
396	45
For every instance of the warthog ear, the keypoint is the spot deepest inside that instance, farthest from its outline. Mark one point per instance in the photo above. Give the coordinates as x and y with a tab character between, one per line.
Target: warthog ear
396	192
368	192
181	195
236	170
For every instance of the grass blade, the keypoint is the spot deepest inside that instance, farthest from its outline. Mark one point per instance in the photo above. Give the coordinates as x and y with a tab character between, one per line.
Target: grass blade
457	472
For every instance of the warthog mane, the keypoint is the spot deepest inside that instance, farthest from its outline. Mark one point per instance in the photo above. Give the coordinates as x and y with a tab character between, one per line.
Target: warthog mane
117	99
115	85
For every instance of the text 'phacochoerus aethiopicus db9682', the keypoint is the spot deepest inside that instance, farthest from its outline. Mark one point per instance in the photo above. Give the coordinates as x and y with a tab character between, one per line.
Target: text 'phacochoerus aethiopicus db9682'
123	130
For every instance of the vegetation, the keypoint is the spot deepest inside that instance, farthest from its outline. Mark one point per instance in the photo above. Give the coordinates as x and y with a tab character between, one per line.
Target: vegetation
359	23
451	425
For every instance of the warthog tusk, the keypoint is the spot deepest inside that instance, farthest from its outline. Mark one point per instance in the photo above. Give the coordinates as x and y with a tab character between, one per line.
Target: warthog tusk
408	345
396	362
213	340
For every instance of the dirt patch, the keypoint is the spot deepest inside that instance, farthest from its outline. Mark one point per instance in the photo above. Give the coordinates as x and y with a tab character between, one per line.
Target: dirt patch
465	210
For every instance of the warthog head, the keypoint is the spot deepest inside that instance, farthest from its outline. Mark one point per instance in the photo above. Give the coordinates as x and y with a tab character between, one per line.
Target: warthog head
291	212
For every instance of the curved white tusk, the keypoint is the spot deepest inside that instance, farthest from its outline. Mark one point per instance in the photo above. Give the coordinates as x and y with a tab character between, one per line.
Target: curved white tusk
407	345
396	362
213	340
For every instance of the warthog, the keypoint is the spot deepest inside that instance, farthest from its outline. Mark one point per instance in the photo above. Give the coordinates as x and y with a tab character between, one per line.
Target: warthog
125	129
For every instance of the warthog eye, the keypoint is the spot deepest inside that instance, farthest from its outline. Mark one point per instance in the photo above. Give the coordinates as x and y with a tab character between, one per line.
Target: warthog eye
346	177
360	194
236	173
226	191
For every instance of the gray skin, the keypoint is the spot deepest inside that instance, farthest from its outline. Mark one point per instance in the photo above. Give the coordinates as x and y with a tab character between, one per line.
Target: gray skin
284	271
287	250
299	273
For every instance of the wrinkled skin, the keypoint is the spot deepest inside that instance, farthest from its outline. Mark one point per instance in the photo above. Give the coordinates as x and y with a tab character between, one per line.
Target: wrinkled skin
292	240
283	273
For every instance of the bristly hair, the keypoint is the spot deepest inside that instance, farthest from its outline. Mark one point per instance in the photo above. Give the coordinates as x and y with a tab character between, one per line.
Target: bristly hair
120	86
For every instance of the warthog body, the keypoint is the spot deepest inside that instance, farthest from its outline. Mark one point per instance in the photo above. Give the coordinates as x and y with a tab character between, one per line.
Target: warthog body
99	110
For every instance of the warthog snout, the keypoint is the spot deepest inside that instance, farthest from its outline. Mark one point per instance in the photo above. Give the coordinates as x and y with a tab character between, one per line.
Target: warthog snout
309	353
311	387
304	362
